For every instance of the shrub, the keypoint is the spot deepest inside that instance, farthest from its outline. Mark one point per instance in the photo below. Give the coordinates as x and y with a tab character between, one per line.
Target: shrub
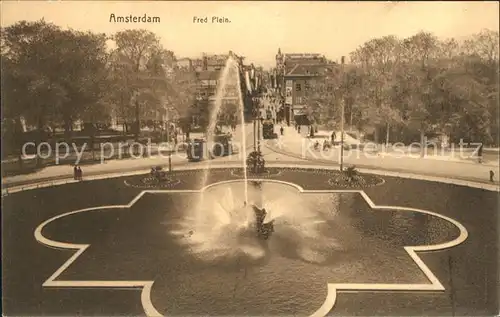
351	173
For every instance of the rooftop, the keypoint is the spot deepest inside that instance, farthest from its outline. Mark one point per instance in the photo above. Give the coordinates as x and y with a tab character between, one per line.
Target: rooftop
309	70
303	56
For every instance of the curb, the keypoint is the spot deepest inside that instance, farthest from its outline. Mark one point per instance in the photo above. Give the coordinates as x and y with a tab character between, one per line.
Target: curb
226	165
375	170
92	174
471	160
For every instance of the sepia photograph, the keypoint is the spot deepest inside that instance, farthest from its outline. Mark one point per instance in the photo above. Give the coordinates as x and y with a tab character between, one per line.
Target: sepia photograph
250	158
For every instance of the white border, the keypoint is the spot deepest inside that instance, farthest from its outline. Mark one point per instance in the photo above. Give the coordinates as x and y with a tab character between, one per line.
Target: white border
333	288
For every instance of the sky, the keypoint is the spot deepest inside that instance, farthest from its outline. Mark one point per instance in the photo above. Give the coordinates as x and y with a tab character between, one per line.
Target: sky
258	29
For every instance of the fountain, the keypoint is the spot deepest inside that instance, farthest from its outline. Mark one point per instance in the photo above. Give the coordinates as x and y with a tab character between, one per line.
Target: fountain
228	227
263	225
229	77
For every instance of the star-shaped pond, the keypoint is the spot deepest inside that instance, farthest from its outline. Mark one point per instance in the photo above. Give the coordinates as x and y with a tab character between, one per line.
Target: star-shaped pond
198	252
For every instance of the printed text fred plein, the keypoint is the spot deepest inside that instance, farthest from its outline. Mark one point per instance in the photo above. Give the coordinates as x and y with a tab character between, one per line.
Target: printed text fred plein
214	19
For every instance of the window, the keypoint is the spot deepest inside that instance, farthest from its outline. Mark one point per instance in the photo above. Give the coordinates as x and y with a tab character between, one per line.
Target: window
307	86
298	87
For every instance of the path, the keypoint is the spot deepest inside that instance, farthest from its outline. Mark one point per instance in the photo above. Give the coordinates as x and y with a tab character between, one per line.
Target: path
282	151
57	172
291	144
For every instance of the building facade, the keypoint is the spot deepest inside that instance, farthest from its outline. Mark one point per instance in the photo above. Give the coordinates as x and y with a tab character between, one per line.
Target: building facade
208	70
296	76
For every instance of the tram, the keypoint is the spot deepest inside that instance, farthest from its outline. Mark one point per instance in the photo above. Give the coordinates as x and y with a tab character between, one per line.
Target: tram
268	130
199	149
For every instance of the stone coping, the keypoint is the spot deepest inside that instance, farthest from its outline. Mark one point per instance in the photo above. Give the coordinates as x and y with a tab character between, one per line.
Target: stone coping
69	180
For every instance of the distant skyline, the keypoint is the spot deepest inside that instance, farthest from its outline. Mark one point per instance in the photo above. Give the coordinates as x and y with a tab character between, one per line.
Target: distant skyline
258	29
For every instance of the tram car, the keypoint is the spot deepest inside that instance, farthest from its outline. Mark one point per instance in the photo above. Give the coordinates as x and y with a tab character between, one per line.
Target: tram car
222	145
268	130
195	150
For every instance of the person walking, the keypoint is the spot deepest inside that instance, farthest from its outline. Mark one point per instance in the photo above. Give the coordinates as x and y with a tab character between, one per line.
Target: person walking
75	172
282	130
480	154
79	174
492	175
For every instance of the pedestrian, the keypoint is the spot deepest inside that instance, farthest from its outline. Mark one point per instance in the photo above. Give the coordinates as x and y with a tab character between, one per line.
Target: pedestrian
79	173
282	130
75	172
333	137
492	175
480	154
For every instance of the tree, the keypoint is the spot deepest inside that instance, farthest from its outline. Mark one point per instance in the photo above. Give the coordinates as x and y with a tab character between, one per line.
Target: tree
32	90
136	65
182	96
378	62
52	76
323	98
84	58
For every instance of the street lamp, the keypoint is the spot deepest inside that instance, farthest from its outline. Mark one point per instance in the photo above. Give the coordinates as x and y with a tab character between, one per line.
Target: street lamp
342	108
255	115
169	137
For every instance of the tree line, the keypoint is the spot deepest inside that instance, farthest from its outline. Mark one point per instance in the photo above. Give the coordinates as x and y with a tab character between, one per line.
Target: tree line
53	78
401	90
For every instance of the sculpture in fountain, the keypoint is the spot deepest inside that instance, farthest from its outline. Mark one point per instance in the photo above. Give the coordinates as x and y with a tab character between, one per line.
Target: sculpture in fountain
263	226
264	229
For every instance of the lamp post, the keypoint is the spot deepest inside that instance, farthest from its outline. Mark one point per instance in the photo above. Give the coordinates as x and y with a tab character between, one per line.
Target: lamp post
169	142
255	123
342	110
254	127
258	133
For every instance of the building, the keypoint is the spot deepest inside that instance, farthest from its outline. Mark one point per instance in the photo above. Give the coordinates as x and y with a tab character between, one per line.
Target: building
207	70
184	63
295	76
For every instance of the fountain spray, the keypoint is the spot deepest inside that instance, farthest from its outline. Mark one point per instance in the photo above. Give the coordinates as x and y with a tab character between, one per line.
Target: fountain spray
230	72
